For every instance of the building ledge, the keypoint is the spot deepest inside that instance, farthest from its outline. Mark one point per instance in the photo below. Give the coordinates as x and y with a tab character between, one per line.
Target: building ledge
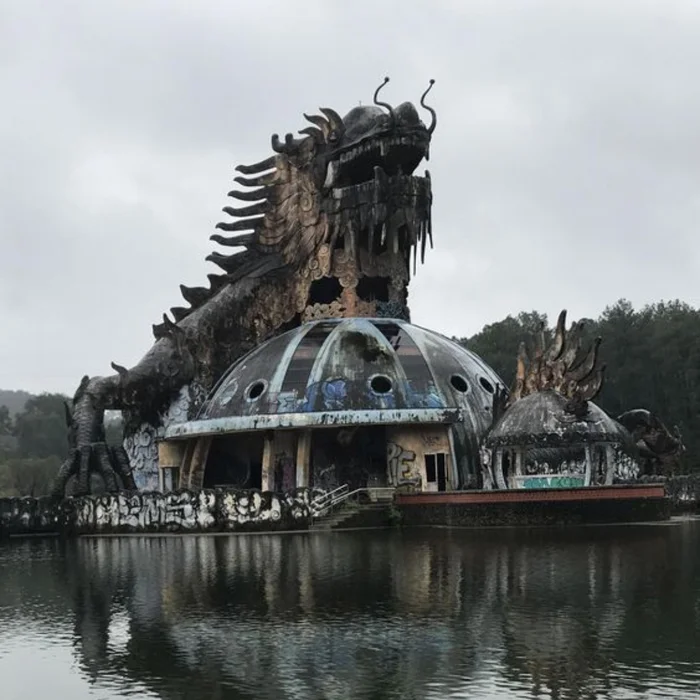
326	419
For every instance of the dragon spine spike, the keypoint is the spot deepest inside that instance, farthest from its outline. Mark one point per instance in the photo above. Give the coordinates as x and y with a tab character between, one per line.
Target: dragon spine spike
262	193
228	263
259	167
216	282
194	295
242	225
240	240
264	179
179	313
252	210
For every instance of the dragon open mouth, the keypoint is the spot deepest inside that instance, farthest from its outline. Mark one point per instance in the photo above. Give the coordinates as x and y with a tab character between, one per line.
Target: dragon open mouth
396	154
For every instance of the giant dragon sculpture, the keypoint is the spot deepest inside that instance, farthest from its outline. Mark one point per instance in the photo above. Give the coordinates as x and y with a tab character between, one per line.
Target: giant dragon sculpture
327	227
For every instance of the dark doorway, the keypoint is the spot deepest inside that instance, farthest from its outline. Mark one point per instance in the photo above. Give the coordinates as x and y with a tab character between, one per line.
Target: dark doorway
436	470
235	461
441	474
355	456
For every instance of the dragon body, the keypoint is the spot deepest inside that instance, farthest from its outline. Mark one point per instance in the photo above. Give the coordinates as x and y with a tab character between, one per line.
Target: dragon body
331	224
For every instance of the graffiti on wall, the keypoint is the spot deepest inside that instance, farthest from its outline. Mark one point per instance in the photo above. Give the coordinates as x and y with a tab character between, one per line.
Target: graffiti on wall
401	463
178	511
142	446
285	472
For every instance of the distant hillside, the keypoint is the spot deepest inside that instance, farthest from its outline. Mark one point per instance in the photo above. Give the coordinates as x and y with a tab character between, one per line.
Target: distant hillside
14	400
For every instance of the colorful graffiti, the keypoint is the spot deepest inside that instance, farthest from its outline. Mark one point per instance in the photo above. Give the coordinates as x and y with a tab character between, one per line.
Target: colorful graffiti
402	466
553	482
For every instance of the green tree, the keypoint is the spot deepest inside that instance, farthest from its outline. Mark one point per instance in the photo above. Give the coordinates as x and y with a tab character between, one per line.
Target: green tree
652	358
28	477
41	429
498	343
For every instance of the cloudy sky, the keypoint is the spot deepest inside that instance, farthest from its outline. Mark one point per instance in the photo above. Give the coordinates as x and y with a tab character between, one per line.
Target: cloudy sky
566	163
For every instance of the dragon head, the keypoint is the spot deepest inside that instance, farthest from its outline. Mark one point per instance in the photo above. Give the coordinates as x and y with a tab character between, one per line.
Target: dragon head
339	205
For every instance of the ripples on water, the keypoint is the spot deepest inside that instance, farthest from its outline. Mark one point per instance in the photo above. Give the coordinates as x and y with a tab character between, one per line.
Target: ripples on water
587	613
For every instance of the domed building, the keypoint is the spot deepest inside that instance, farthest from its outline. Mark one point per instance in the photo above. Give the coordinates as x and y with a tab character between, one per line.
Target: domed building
549	433
367	402
540	443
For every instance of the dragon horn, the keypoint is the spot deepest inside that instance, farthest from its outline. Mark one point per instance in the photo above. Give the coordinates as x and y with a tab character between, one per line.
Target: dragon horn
386	106
320	122
289	146
335	120
433	122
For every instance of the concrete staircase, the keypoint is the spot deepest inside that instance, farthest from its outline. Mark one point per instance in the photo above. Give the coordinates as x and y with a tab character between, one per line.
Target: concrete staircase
354	515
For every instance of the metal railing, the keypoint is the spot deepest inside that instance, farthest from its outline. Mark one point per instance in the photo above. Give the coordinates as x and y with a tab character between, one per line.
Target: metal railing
325	503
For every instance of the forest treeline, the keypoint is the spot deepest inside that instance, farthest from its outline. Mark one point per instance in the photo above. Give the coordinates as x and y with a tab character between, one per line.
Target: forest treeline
34	443
652	358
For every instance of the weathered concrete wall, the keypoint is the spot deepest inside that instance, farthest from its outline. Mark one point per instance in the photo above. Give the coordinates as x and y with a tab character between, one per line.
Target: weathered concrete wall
179	511
534	513
406	449
684	492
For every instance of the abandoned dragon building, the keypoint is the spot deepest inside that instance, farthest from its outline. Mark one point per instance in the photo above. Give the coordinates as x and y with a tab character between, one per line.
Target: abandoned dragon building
298	366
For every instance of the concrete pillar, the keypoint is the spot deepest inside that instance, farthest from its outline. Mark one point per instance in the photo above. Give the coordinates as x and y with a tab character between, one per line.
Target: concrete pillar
184	481
518	461
170	458
498	469
198	463
589	465
609	464
303	459
268	468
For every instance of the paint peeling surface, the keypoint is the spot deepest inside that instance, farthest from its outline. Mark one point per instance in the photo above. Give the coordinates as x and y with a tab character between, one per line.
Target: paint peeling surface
354	364
142	446
207	510
541	419
352	372
308	420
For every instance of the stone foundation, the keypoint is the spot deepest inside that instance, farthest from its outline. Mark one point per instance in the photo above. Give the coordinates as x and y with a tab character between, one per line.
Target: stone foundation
179	511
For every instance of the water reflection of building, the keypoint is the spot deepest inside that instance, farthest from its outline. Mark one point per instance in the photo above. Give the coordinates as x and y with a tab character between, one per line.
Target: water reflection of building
310	616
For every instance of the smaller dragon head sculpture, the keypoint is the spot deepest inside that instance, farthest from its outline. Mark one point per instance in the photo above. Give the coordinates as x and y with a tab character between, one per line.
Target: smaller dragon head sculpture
560	367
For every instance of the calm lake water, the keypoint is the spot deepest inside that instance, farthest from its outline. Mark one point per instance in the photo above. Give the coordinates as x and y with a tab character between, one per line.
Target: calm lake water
608	612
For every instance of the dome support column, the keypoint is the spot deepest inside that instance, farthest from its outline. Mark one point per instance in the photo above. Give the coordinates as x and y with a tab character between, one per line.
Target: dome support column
268	469
589	465
303	459
609	464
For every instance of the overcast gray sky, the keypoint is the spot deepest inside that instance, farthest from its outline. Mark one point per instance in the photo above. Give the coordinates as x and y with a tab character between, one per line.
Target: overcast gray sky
565	165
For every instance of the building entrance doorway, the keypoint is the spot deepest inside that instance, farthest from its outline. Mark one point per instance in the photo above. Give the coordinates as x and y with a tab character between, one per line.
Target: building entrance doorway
436	471
355	456
235	461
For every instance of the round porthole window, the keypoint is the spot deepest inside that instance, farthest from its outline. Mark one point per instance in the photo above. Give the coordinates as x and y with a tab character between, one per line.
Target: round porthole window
459	383
380	384
256	390
486	384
